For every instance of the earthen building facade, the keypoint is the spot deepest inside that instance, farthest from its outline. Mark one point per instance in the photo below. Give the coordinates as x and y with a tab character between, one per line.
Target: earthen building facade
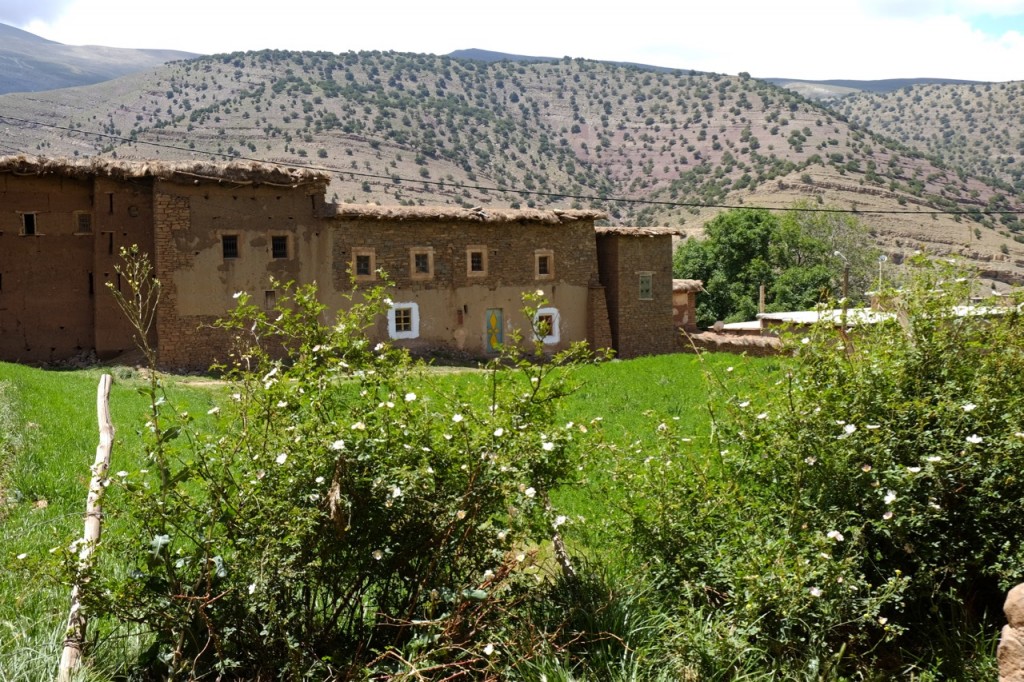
457	275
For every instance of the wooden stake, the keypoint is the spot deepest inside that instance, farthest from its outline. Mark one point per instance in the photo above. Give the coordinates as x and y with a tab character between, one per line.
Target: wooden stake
70	658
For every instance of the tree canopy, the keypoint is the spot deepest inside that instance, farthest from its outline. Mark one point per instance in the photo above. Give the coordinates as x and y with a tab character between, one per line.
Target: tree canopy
799	256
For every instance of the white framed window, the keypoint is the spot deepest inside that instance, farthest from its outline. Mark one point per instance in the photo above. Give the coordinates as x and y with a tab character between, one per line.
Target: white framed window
547	323
404	321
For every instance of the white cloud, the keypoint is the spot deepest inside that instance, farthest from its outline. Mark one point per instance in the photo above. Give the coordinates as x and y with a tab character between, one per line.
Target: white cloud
858	39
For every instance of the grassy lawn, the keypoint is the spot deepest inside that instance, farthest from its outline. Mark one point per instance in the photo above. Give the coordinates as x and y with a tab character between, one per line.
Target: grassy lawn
54	426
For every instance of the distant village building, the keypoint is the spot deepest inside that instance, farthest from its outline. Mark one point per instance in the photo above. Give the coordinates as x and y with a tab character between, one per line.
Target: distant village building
684	303
214	229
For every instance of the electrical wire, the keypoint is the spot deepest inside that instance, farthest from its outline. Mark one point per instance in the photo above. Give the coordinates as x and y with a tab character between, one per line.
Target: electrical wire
521	192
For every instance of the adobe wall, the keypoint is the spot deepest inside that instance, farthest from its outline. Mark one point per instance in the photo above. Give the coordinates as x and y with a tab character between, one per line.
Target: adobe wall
452	303
122	217
638	327
46	302
198	282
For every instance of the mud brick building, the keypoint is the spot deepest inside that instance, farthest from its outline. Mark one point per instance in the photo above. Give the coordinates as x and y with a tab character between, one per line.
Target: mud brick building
458	275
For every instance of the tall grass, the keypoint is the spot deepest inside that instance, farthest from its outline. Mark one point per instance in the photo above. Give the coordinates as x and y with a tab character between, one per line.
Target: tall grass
48	437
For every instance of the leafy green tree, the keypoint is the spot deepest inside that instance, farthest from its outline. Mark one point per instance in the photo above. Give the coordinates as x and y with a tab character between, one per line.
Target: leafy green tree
800	256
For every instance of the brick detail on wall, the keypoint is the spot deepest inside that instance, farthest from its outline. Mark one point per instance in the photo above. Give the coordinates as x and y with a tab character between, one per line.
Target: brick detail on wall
184	342
638	327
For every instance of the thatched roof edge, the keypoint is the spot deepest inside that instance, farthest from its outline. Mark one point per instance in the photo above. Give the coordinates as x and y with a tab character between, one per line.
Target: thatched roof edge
244	172
459	214
624	231
687	285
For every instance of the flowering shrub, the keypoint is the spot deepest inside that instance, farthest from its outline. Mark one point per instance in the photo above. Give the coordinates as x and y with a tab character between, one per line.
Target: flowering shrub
866	513
335	519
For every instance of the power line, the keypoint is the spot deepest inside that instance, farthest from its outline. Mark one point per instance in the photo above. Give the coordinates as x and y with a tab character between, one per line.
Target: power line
485	188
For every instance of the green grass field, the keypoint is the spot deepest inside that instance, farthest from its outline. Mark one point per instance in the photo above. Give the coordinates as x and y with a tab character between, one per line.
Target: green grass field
50	427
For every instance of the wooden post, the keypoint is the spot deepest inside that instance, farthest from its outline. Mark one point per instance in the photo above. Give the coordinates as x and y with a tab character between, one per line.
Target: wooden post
75	635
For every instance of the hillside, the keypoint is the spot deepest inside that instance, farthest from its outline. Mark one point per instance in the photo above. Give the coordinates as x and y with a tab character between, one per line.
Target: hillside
29	63
978	127
666	148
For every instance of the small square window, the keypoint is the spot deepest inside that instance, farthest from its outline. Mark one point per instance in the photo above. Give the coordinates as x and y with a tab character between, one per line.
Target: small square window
544	264
229	246
279	246
476	261
28	223
546	324
646	286
83	222
363	263
421	263
403	320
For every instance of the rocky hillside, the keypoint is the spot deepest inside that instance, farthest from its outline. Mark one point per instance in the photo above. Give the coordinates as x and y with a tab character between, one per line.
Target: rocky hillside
29	63
649	147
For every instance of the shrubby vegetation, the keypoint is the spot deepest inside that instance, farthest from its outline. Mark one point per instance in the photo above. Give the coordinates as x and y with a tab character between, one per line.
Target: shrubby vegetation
799	256
863	517
338	523
853	514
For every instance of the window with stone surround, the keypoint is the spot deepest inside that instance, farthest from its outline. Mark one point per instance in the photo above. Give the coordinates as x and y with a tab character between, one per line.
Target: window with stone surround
364	264
646	286
544	264
421	263
476	261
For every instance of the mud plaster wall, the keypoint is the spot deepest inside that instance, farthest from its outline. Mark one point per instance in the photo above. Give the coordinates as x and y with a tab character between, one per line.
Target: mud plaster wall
638	327
46	310
199	282
452	304
122	218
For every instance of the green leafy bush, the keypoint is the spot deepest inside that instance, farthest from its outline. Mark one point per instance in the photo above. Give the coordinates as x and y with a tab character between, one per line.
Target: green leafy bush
334	521
865	516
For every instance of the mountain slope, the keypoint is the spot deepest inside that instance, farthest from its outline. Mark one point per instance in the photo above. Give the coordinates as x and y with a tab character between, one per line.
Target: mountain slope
649	147
29	63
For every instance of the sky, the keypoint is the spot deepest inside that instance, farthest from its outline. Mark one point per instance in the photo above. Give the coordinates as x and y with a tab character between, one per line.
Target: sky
807	39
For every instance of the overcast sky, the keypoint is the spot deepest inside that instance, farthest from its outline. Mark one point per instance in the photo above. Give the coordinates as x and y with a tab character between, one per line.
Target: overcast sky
811	39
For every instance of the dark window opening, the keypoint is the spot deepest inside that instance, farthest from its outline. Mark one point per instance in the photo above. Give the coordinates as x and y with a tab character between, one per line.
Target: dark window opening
110	243
83	222
269	299
476	261
229	245
363	265
422	261
545	325
279	246
110	203
28	223
543	265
